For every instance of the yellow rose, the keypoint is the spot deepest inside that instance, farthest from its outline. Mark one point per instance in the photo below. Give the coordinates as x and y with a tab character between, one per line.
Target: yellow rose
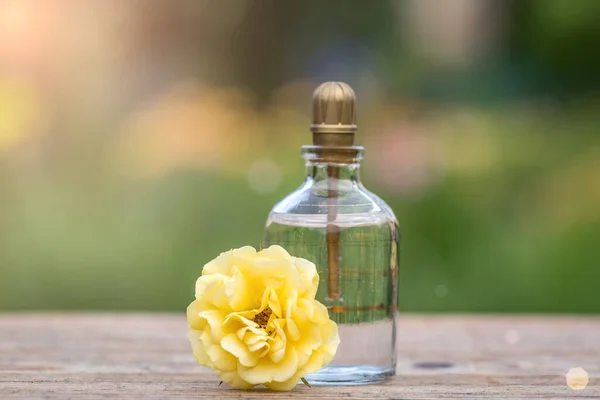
255	319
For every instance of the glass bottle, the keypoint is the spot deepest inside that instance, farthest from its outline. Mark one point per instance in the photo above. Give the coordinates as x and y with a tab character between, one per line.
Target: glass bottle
352	237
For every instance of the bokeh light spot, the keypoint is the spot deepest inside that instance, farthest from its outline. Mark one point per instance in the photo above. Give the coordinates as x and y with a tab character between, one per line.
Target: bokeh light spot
20	114
577	378
440	290
512	336
264	176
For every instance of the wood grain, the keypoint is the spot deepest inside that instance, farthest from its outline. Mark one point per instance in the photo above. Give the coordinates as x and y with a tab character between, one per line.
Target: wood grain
148	356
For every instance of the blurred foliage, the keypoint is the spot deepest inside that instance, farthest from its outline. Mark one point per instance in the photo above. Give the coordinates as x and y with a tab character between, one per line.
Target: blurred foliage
515	230
137	143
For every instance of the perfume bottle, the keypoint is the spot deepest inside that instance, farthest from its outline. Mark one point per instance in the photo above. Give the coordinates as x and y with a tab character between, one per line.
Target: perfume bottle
352	237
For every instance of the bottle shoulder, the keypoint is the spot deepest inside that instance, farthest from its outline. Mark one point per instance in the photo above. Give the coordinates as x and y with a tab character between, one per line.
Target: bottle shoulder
352	203
382	204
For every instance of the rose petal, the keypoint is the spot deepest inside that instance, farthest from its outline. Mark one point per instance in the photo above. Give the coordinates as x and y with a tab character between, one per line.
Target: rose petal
332	341
223	263
239	320
197	346
286	385
214	318
238	295
267	371
264	270
209	291
292	330
261	344
273	283
274	304
193	318
314	363
274	252
249	333
278	347
221	360
290	304
310	340
320	314
307	306
233	379
236	347
309	275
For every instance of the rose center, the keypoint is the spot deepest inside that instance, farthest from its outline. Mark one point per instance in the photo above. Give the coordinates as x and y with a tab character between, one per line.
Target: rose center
262	318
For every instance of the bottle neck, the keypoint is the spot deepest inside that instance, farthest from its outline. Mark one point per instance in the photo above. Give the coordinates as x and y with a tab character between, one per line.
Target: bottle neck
321	171
341	163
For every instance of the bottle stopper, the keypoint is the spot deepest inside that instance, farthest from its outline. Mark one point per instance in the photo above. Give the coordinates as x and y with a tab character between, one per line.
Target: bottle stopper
334	115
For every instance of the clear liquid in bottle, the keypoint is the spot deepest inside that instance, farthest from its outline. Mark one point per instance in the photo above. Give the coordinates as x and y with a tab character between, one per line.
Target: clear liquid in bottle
365	310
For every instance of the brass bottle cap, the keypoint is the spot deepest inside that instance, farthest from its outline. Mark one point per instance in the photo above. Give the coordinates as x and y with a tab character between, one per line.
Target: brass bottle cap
334	115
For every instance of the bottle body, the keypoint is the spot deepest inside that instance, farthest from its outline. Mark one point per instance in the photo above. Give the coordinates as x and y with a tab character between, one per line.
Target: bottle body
352	237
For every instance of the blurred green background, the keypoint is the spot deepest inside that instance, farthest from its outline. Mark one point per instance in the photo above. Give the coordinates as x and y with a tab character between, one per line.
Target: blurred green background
139	139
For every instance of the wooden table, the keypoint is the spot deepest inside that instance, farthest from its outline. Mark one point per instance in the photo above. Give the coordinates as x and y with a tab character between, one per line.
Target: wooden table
147	356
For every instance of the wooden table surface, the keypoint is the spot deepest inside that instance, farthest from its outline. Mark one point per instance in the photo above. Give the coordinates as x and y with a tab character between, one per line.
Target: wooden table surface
147	356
